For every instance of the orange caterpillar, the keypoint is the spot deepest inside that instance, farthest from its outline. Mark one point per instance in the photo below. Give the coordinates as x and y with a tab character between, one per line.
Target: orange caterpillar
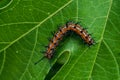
70	26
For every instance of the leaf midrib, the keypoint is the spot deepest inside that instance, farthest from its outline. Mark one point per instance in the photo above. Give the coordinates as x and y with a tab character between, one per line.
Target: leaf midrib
36	26
89	78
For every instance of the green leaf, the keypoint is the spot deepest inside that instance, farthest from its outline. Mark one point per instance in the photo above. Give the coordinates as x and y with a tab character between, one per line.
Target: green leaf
26	25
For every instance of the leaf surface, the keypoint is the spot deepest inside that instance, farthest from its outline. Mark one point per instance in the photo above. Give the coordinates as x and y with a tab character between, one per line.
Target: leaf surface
26	25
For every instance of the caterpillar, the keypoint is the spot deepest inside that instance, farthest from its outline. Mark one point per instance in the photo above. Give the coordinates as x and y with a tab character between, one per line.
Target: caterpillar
69	26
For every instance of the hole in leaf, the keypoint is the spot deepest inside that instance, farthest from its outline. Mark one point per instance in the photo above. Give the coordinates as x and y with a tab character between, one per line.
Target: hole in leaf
58	64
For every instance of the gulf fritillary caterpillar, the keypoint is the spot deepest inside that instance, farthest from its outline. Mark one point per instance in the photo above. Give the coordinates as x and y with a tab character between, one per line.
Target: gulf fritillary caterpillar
70	26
